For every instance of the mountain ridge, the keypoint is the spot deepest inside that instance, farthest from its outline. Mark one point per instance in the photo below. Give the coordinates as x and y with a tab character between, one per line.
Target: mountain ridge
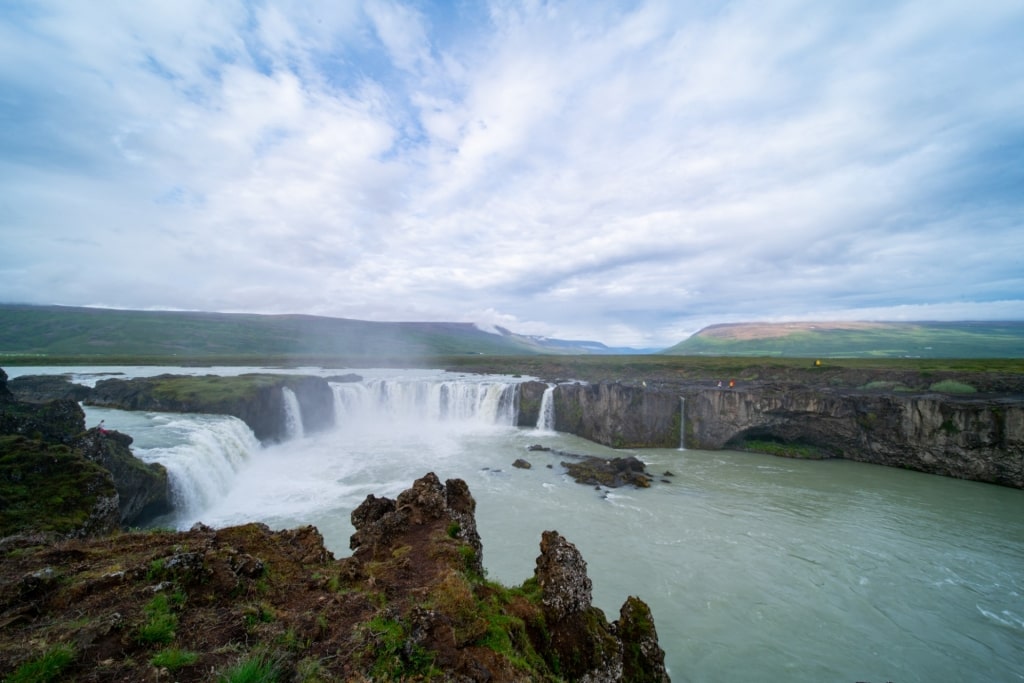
29	330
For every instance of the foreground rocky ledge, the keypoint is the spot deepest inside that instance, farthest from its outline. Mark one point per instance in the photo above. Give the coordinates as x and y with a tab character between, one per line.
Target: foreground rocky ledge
411	603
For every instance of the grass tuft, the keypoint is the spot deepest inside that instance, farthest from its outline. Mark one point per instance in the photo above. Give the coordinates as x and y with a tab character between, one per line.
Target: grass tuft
46	668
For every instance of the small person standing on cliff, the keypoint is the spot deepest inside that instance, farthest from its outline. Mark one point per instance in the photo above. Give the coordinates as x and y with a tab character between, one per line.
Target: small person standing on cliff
102	428
732	383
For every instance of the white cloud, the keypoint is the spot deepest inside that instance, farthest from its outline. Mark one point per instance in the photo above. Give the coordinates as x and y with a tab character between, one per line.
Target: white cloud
582	170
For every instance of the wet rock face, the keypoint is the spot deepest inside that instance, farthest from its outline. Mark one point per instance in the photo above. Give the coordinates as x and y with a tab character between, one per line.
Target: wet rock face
978	439
530	396
618	415
143	488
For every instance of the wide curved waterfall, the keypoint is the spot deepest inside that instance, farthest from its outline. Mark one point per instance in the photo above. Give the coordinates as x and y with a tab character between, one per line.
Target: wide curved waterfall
486	403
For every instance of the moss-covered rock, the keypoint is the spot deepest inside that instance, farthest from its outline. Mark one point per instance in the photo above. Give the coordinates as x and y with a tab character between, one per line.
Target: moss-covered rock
142	490
52	489
257	399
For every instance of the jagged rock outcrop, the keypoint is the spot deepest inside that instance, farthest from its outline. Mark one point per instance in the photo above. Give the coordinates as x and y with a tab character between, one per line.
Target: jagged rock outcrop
256	399
143	488
97	473
410	604
561	627
587	649
428	506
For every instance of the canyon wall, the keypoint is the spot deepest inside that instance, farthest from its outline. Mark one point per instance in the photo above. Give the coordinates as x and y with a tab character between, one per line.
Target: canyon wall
981	439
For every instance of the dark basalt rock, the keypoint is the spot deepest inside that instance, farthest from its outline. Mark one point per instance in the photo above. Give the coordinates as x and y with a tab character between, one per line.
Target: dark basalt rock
97	473
522	464
530	395
44	388
256	399
143	488
610	472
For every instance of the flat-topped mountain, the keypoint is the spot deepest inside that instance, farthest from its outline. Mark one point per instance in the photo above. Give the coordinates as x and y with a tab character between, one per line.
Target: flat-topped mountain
852	339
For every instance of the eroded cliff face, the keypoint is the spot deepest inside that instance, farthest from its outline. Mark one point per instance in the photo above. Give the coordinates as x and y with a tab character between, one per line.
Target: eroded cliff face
978	439
617	415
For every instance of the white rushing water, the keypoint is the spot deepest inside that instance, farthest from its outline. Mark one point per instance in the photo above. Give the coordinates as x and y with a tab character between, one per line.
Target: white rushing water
756	568
682	423
546	418
292	415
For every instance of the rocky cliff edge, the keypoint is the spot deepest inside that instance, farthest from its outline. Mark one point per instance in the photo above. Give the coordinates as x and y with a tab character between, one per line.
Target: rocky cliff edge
411	603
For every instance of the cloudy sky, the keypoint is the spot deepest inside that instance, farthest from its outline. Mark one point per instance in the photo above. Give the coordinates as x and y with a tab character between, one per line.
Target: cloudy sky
620	171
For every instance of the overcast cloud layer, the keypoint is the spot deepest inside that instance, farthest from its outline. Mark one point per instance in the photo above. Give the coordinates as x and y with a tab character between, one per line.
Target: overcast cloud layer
620	171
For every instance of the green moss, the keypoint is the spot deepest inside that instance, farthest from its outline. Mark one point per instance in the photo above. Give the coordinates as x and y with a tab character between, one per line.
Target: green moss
394	656
212	389
47	487
785	450
949	386
173	658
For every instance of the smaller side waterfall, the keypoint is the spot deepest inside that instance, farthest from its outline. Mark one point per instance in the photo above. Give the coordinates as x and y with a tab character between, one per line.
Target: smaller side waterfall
292	414
682	423
546	417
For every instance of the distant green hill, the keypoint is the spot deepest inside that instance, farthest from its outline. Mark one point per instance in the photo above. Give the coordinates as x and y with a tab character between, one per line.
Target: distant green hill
858	340
42	332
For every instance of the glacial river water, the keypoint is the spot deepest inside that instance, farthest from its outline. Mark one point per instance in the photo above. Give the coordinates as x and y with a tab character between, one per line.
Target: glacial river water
756	568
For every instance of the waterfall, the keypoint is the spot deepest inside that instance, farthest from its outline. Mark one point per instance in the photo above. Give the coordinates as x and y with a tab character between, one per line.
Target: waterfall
350	399
202	465
682	423
492	403
546	417
292	414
